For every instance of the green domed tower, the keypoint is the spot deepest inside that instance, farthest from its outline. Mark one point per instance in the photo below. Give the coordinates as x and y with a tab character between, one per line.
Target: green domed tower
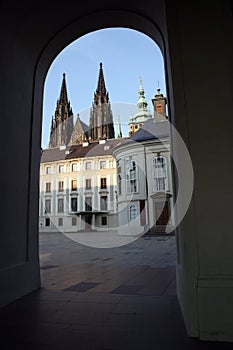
143	113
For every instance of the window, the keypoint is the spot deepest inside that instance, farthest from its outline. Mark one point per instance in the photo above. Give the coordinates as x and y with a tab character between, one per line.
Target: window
61	186
60	205
74	204
48	187
159	108
74	185
88	204
103	183
131	176
119	176
132	212
48	170
61	169
103	203
103	164
159	174
48	206
104	220
60	221
88	184
74	221
88	166
74	167
47	222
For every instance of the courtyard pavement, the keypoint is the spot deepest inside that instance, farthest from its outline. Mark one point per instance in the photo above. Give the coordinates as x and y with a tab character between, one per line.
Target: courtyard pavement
145	266
121	298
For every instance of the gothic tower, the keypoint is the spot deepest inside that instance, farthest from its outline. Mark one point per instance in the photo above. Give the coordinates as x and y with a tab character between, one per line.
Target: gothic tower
101	119
62	122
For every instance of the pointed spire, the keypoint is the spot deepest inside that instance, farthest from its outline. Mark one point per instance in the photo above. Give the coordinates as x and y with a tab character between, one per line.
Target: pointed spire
101	89
62	123
63	93
101	119
119	133
142	104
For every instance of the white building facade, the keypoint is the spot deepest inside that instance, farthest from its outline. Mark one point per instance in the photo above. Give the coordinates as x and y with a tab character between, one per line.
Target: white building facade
78	187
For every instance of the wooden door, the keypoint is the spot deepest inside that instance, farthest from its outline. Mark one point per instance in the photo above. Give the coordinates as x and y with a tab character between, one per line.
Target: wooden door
162	213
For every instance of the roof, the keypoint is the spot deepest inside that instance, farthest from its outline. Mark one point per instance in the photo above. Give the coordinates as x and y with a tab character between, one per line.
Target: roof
84	125
151	130
52	154
93	149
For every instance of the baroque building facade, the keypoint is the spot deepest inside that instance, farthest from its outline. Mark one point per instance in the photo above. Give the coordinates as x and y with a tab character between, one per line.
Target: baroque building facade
145	195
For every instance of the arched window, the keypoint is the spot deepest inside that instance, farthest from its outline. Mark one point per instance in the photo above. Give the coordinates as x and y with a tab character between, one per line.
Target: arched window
159	174
132	212
131	176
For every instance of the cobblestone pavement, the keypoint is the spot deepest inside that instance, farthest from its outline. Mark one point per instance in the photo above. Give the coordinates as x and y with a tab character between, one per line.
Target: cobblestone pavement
145	266
101	299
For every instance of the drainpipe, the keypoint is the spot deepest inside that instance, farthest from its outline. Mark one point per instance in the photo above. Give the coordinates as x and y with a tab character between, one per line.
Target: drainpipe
146	182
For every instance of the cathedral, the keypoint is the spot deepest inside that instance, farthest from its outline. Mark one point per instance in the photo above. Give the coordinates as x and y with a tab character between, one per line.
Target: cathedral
63	132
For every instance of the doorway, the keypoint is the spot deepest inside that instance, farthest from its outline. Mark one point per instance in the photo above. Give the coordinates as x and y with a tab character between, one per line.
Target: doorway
161	213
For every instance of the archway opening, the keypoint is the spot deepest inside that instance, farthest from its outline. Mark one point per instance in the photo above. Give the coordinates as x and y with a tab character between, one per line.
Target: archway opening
107	185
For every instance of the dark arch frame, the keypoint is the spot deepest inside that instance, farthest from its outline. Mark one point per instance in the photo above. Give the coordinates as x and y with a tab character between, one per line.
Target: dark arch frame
84	25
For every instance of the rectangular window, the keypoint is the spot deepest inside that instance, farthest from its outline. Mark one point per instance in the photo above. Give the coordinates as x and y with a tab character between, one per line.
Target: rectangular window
132	212
61	186
47	222
103	164
74	167
60	205
88	204
88	184
74	221
159	108
61	169
103	203
103	183
74	204
131	176
104	220
161	184
74	185
48	170
48	187
47	206
88	166
119	176
159	174
60	221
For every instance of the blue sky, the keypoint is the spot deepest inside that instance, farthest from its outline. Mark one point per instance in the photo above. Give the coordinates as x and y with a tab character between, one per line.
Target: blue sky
126	55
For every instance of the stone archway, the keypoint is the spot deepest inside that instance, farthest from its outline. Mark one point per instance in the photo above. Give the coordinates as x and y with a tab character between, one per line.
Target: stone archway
96	21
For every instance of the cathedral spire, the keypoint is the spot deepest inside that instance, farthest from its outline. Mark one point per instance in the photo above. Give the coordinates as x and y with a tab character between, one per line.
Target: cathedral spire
101	119
62	123
101	89
63	94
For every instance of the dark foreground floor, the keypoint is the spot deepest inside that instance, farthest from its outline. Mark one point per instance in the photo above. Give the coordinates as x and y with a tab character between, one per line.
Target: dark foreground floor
69	313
